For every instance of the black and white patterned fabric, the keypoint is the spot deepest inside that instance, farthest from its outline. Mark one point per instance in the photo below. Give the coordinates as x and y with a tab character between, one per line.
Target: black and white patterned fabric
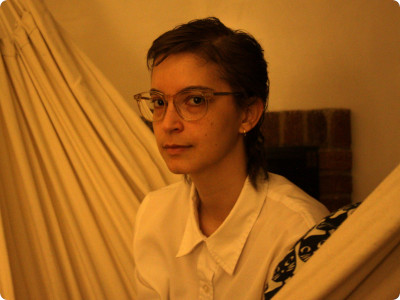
305	248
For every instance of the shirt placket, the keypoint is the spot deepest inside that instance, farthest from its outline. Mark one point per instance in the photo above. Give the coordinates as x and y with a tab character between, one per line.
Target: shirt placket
205	272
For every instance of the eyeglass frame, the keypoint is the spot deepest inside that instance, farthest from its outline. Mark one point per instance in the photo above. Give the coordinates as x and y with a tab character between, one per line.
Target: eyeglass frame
208	94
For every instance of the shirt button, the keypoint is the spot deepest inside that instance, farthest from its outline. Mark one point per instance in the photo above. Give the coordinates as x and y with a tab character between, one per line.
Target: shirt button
205	288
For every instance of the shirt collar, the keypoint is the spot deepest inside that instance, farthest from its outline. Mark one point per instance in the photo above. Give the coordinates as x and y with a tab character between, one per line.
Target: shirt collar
226	243
192	235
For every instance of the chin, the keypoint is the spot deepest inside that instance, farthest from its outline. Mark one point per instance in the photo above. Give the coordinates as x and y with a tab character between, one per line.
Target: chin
183	168
176	169
178	165
178	172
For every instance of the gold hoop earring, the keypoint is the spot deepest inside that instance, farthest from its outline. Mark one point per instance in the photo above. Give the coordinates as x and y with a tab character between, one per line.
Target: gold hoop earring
244	132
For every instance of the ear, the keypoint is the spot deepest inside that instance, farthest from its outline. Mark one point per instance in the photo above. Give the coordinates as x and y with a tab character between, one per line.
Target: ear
251	115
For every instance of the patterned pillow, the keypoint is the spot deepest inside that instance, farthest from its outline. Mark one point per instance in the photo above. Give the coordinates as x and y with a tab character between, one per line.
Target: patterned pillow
305	248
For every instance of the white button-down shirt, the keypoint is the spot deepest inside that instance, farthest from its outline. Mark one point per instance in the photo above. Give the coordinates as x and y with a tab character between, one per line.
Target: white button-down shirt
175	260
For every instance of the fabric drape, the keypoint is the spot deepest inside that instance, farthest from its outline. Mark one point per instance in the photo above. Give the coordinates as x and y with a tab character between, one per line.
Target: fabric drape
361	260
76	160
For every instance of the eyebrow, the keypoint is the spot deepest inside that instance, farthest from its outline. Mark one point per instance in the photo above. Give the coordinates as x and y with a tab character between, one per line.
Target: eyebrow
188	88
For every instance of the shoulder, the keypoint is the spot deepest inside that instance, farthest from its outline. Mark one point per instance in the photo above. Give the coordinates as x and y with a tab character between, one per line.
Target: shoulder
288	213
166	194
289	200
158	230
160	205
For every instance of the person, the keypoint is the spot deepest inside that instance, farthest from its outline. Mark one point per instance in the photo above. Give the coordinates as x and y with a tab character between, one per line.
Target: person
220	231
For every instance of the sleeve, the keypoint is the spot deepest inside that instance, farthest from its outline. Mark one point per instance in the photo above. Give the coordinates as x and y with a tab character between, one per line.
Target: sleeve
142	288
294	219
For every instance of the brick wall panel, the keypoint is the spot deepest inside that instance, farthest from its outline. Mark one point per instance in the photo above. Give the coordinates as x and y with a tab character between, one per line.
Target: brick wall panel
316	128
335	159
293	128
271	129
340	133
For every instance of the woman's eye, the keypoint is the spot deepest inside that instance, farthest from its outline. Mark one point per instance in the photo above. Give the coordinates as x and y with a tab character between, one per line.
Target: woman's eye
196	100
158	102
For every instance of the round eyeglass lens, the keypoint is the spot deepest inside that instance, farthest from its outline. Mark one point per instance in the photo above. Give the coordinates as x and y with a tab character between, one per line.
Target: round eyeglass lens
147	105
192	105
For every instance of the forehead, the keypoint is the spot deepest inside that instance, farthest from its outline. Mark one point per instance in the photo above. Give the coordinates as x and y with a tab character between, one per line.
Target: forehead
179	71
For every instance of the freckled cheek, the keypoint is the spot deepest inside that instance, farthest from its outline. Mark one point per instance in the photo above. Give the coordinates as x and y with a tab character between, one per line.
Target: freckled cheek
157	136
211	140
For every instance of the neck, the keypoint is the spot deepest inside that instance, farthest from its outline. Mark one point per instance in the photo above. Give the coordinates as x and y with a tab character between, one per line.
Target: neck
218	190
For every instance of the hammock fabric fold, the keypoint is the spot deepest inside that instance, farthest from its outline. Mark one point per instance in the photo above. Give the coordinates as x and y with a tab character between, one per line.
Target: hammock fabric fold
76	160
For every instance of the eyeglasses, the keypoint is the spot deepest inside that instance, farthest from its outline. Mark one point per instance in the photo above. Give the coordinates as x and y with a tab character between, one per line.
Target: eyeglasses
190	104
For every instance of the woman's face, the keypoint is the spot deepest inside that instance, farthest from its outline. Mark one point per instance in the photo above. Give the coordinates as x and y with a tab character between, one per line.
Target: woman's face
208	144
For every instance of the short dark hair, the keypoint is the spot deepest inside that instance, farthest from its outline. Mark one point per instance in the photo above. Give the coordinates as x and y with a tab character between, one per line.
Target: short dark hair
242	65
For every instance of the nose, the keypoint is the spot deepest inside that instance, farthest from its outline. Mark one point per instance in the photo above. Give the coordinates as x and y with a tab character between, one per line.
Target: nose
171	122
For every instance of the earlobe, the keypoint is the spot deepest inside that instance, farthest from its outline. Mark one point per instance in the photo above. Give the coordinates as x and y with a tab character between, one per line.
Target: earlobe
252	114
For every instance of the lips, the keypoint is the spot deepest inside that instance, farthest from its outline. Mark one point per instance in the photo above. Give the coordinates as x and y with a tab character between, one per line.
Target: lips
174	149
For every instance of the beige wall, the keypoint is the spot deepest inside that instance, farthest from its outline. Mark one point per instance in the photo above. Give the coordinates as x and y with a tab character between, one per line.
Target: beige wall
337	53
